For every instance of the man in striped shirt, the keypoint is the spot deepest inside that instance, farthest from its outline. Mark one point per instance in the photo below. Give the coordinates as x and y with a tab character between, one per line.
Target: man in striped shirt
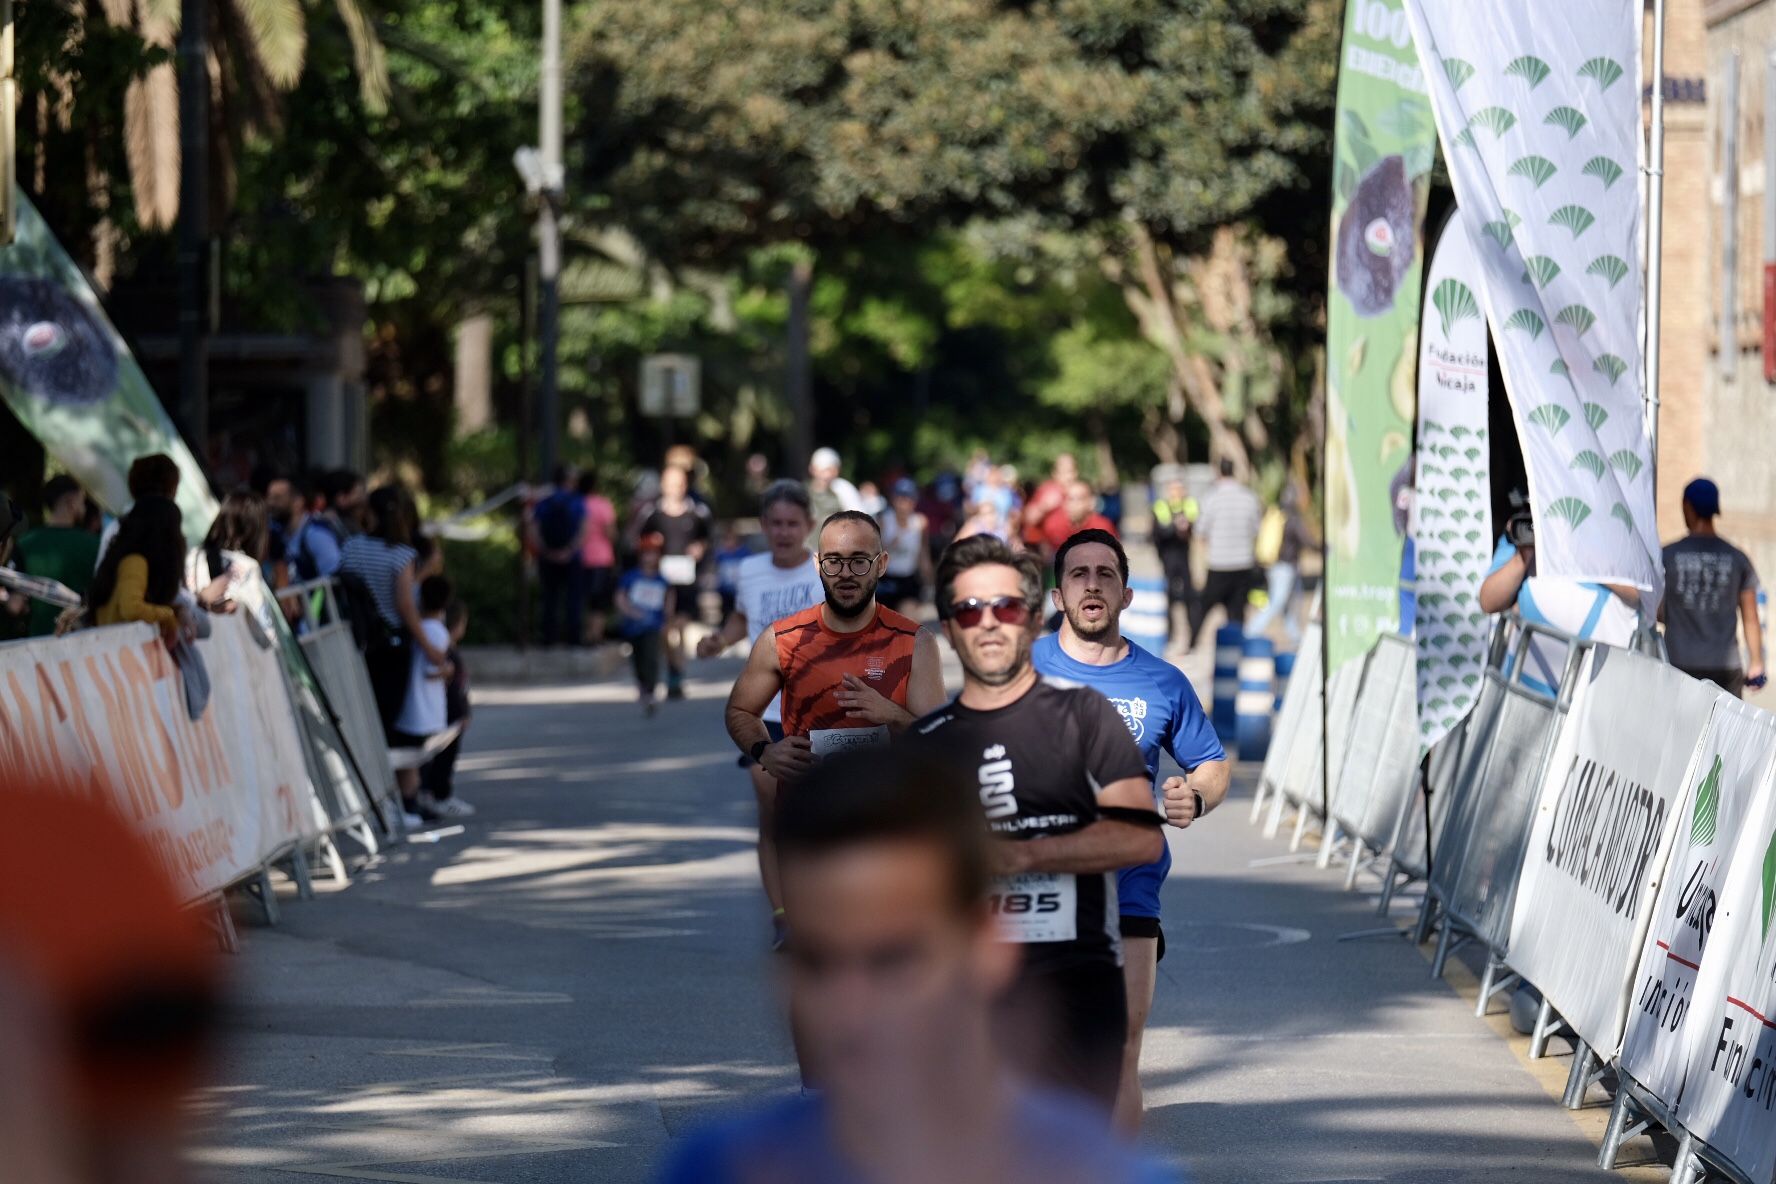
1228	532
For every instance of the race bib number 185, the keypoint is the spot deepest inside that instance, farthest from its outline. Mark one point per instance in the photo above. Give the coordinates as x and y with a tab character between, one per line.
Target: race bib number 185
1036	906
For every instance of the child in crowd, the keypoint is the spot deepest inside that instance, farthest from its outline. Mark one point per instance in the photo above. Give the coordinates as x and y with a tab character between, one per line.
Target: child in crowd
641	604
423	714
439	777
733	552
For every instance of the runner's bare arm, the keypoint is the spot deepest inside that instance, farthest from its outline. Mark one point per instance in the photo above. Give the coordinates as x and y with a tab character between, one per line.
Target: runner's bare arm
732	630
753	691
925	689
1103	846
1211	779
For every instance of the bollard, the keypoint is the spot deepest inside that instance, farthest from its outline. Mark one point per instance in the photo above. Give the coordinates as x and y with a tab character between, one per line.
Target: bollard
1229	644
1285	664
1256	699
1144	621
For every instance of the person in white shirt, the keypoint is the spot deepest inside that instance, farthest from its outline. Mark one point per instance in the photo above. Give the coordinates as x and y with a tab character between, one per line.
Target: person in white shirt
776	584
424	713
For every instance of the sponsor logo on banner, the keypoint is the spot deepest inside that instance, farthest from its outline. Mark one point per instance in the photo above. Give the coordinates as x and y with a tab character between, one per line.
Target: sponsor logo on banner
1610	810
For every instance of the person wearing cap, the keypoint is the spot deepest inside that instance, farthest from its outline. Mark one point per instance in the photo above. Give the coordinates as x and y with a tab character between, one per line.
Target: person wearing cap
828	491
904	532
1710	587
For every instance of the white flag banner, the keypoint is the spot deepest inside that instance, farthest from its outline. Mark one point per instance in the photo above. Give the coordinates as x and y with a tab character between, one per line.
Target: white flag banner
1538	107
1602	834
1453	483
1732	768
1729	1092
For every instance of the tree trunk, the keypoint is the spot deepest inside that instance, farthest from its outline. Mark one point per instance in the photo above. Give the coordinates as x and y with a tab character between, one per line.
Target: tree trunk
1158	311
798	381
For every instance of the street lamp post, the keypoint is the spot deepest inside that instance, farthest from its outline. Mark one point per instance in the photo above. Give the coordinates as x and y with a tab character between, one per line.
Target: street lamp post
194	223
544	176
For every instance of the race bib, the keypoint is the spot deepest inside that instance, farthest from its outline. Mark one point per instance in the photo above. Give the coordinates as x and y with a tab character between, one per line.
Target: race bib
680	570
827	741
1036	906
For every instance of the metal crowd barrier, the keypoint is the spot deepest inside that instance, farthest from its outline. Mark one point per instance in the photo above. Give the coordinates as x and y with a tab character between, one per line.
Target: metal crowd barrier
341	715
1291	725
1380	766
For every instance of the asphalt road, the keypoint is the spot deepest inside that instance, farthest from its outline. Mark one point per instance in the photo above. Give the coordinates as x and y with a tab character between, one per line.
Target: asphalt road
578	978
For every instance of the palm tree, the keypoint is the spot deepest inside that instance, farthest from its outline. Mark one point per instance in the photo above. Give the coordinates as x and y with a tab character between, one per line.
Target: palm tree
256	51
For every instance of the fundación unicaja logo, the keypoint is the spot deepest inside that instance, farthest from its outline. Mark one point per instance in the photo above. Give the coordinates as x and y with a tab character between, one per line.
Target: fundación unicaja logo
1769	885
1706	816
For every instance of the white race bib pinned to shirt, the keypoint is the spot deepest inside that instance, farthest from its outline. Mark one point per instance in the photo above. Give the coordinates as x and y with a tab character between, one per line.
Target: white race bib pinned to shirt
827	741
1036	906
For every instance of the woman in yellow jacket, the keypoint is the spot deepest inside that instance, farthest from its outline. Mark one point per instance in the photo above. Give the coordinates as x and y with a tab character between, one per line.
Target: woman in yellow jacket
141	573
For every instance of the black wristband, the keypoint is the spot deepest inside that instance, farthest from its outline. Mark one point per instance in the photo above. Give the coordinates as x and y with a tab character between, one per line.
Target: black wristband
1201	809
758	750
1125	814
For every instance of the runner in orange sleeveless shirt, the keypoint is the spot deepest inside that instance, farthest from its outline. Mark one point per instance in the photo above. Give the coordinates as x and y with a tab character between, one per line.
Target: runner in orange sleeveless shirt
850	671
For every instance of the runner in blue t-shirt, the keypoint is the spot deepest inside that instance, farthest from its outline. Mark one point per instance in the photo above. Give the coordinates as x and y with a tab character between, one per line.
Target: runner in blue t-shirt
1163	713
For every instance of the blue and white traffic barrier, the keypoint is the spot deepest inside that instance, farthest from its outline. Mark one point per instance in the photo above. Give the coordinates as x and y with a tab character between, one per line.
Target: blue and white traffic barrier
1230	643
1255	701
1285	668
1144	621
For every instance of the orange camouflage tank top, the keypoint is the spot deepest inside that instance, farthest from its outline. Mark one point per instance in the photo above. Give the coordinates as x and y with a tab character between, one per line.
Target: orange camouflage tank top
815	660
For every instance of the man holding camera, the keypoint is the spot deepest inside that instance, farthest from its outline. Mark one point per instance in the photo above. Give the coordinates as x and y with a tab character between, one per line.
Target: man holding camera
1710	587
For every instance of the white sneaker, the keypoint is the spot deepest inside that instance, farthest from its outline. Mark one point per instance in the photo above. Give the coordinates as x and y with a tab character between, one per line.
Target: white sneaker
453	808
412	822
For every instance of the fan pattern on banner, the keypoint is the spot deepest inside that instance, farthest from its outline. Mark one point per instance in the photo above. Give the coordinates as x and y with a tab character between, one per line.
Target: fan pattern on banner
1540	116
1453	481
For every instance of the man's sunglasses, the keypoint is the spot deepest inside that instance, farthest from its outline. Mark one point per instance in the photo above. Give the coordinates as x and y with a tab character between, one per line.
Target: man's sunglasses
1007	610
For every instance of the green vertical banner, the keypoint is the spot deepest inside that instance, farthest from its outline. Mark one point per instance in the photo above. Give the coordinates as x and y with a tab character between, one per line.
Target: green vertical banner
1386	142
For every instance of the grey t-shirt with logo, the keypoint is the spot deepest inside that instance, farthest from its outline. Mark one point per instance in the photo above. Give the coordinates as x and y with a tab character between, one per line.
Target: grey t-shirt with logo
1703	579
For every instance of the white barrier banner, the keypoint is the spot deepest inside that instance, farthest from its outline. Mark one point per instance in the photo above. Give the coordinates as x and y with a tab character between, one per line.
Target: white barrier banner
1732	766
103	711
1729	1092
1453	480
1600	838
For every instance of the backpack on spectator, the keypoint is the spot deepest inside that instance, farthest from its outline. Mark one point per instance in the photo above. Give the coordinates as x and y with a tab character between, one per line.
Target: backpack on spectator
306	567
358	608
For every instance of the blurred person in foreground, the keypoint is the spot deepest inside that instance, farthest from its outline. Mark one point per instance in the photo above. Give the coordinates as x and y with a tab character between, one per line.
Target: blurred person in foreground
109	991
1710	588
1078	511
1070	802
232	550
62	549
895	973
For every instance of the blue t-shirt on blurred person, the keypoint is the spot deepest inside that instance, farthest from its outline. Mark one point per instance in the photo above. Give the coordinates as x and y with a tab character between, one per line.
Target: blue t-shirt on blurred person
646	594
1052	1139
1153	697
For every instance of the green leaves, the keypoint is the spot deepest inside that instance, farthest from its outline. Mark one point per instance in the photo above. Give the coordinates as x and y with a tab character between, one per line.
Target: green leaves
1611	267
1538	169
1604	71
1575	218
1455	303
1769	878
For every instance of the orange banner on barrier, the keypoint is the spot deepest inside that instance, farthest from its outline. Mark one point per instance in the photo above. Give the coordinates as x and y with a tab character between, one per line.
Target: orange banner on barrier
103	712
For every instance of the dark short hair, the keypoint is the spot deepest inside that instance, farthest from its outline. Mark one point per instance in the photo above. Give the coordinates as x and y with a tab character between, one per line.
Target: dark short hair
434	595
1227	466
1080	539
899	793
58	487
985	550
852	516
588	483
336	483
786	491
155	475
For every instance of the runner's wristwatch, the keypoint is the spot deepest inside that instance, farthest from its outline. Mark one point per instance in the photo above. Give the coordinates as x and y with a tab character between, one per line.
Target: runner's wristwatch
1197	794
758	750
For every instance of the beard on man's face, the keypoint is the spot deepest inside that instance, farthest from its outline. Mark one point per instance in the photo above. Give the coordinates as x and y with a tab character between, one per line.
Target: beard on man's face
849	597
